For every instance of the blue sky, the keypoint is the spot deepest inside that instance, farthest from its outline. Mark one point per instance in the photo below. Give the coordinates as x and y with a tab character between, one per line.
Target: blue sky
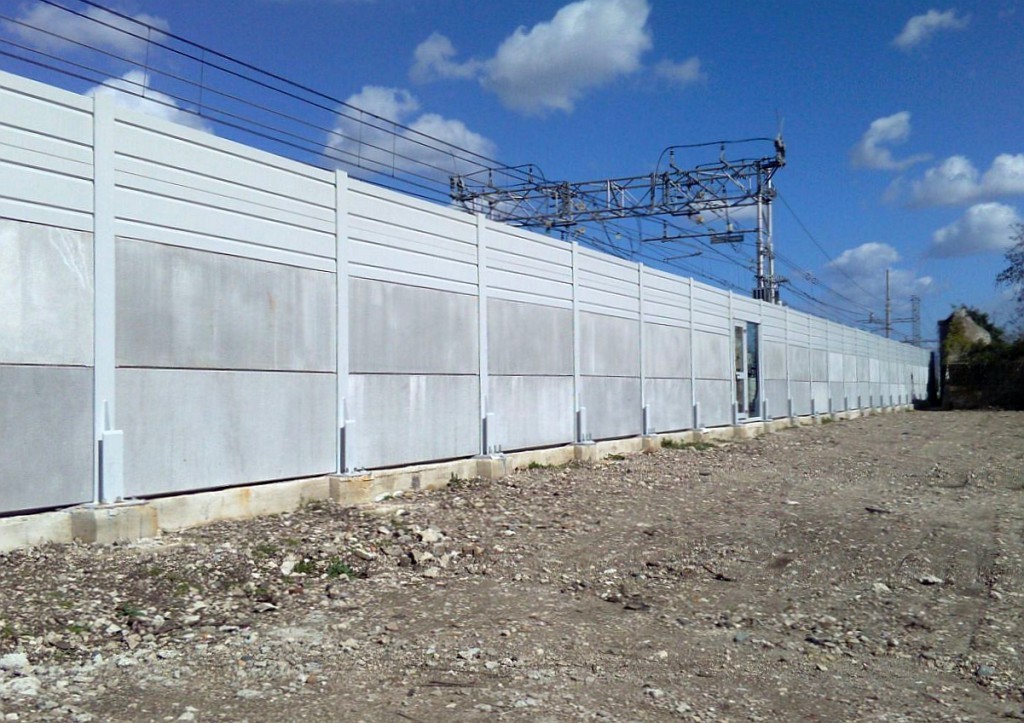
902	119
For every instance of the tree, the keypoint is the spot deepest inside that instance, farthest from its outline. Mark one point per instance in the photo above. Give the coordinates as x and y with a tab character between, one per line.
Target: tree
1013	275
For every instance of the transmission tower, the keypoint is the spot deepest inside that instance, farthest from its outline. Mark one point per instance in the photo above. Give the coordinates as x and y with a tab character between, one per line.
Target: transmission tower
703	198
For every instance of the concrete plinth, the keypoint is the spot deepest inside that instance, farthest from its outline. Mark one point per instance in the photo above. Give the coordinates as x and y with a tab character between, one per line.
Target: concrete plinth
491	466
106	524
650	443
585	452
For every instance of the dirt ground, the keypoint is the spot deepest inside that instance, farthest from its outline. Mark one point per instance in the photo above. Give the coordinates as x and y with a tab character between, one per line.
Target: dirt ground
862	570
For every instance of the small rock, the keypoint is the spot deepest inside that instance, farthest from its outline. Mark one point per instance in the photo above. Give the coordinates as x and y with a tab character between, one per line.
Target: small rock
27	686
430	535
15	663
655	693
741	636
930	580
881	588
248	694
288	566
985	671
364	554
469	654
420	557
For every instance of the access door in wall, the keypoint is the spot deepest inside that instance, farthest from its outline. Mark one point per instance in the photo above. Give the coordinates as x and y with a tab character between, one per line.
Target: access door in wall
746	357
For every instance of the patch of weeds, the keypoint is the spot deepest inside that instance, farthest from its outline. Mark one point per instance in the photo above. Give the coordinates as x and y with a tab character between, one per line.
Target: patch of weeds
827	420
697	446
129	610
539	465
456	481
8	633
292	542
76	629
616	457
337	568
266	549
305	567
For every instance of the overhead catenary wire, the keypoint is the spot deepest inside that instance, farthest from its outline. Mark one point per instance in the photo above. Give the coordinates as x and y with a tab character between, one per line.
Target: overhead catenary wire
312	126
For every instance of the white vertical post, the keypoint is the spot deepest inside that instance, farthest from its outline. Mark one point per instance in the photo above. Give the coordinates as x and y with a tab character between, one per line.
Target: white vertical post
580	413
644	411
108	466
488	439
693	368
345	426
789	383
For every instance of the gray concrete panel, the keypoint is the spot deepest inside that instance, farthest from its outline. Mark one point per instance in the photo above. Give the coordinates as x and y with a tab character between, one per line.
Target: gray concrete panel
715	398
711	356
399	329
609	345
190	429
801	392
403	418
799	364
837	390
531	411
46	290
613	406
528	339
666	351
180	307
819	365
863	369
773	360
849	368
777	393
670	402
819	392
835	367
46	444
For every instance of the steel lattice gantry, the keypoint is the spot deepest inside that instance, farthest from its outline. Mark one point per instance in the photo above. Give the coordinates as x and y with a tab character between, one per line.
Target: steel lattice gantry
522	197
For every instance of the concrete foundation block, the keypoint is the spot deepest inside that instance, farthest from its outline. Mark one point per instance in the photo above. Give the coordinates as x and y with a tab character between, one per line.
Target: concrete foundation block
585	453
105	524
351	489
650	443
748	431
491	466
36	529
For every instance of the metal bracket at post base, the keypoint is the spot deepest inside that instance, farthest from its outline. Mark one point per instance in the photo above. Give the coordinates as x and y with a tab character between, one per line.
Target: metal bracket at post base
487	435
110	449
346	464
582	433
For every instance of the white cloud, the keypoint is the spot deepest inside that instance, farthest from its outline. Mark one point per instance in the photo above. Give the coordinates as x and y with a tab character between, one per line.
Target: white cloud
433	60
866	260
132	91
56	30
585	45
682	74
984	228
859	273
426	145
552	65
889	130
920	28
956	181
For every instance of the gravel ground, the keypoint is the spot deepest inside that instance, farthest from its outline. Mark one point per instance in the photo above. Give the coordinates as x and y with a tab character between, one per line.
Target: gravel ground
862	570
